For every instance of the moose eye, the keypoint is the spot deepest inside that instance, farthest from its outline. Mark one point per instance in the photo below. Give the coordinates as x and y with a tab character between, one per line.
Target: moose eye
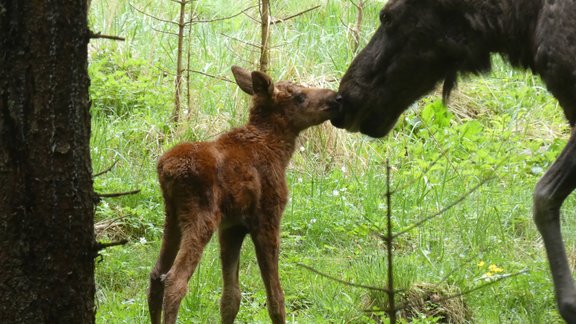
298	98
385	18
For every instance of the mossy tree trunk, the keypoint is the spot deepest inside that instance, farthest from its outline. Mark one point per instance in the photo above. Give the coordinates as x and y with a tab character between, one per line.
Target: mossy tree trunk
47	242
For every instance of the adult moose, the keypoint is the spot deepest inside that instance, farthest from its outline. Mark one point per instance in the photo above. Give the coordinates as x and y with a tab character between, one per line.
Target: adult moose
422	42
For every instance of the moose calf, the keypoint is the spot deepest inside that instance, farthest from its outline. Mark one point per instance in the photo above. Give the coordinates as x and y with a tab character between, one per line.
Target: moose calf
235	184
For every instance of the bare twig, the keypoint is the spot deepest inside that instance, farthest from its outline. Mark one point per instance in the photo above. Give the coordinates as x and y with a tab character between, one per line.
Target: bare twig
242	41
223	18
391	297
281	20
356	31
151	16
104	225
443	210
164	31
347	283
105	170
118	194
101	246
100	35
212	76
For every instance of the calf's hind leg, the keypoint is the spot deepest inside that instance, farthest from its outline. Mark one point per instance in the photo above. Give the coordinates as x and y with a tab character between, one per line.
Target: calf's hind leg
266	240
230	245
196	232
170	243
551	191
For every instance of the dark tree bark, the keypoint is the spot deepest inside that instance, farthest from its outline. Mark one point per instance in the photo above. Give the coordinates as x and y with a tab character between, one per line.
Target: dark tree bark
47	243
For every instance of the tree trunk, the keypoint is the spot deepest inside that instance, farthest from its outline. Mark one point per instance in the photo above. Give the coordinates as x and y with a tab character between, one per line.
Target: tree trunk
179	69
265	35
47	243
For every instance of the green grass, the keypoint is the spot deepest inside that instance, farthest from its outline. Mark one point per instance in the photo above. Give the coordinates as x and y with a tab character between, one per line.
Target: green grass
503	124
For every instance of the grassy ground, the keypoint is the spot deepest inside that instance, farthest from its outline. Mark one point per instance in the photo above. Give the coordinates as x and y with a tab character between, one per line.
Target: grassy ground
503	125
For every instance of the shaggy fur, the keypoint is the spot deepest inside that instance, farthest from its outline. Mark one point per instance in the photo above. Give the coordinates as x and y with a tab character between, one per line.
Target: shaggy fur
235	184
423	42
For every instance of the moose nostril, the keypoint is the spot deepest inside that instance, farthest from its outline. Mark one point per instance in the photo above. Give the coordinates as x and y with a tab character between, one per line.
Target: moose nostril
338	98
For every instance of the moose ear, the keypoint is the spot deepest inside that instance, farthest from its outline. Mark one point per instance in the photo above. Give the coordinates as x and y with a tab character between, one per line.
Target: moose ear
262	84
243	79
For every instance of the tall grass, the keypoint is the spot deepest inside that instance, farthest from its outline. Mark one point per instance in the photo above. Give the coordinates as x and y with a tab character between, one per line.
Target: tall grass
503	124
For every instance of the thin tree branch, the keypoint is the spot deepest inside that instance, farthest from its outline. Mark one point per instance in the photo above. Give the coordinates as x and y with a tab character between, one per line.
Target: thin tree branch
100	35
281	20
118	194
347	283
223	18
105	170
351	1
101	246
212	76
241	41
151	16
391	311
164	31
443	210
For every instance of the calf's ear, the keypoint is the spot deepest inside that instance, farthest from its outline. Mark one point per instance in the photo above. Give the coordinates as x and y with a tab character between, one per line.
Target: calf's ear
262	84
243	79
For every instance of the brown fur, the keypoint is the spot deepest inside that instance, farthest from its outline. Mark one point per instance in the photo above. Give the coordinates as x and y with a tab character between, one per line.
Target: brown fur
423	42
235	184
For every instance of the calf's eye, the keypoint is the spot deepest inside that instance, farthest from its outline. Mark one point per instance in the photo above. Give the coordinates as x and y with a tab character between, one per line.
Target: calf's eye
299	98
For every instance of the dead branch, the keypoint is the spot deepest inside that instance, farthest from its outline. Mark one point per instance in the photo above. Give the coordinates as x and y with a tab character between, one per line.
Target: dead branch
391	296
344	282
101	246
223	18
281	20
118	194
100	35
104	225
151	16
358	28
212	76
164	31
242	41
443	210
252	18
105	170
